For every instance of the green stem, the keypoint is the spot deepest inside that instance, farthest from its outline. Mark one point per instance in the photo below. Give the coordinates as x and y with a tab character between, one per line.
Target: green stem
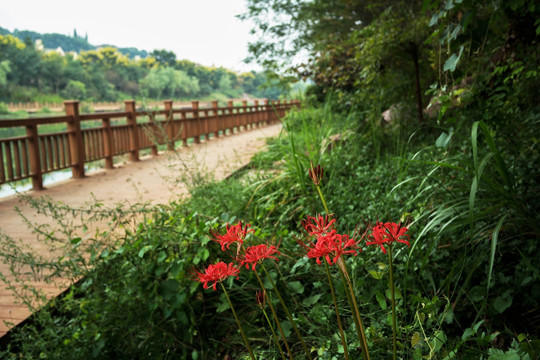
354	306
343	339
349	300
288	313
238	323
273	333
275	316
322	199
393	295
356	311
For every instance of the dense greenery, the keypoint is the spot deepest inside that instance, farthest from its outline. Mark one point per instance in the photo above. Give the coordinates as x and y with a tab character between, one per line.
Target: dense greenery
467	284
462	175
28	73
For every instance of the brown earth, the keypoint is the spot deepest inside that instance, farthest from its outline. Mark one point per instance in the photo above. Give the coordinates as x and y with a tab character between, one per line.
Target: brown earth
152	179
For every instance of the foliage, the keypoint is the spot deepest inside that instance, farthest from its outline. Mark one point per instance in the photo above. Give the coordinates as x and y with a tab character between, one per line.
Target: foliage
112	74
465	182
458	289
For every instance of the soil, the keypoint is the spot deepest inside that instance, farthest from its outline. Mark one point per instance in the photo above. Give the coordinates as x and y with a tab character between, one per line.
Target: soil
153	179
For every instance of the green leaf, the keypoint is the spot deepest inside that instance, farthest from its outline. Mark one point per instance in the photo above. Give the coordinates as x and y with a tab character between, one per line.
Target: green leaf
287	327
144	250
381	300
397	293
169	287
415	338
75	241
503	302
204	254
443	140
376	274
309	301
451	63
494	241
477	326
438	340
161	256
296	287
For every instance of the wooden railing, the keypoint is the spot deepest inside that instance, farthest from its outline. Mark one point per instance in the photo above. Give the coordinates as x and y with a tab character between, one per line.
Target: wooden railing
35	154
33	107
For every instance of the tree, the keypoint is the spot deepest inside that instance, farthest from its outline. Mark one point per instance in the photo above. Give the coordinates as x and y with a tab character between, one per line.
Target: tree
164	57
169	81
4	70
52	72
75	90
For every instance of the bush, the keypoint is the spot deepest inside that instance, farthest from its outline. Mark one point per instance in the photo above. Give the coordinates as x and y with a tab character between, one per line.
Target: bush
4	108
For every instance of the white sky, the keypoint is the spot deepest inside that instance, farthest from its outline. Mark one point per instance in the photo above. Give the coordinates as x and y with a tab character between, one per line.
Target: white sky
203	31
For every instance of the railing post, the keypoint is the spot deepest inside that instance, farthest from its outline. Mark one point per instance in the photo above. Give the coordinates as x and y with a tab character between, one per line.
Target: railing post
245	116
217	123
76	140
206	125
233	117
168	105
195	107
257	114
133	130
107	143
33	154
268	112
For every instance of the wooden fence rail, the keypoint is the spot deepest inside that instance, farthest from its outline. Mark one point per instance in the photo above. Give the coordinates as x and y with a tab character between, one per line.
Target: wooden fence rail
96	136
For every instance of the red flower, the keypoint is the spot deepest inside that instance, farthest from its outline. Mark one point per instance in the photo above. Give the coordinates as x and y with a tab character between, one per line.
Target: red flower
258	252
317	226
216	273
235	234
332	245
322	248
341	242
260	296
316	173
387	233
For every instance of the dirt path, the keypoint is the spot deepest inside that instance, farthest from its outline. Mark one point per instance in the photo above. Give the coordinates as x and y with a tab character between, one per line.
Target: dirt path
151	179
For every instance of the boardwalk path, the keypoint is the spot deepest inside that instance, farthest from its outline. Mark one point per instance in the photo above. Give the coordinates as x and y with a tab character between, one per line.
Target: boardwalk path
149	178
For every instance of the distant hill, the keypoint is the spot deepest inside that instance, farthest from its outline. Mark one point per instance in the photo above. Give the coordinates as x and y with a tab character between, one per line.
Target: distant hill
68	43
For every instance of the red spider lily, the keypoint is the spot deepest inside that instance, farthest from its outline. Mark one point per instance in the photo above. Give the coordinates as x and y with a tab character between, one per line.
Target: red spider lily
216	273
318	226
235	234
331	247
387	233
260	296
258	252
316	173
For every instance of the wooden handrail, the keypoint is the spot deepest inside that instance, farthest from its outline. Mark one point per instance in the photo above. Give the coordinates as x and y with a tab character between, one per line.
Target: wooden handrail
35	154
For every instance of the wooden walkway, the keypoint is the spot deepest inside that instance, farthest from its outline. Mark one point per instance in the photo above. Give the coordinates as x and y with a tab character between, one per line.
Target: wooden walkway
147	180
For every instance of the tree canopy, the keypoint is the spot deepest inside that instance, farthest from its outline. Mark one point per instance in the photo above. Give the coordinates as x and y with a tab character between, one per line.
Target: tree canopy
28	73
392	47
